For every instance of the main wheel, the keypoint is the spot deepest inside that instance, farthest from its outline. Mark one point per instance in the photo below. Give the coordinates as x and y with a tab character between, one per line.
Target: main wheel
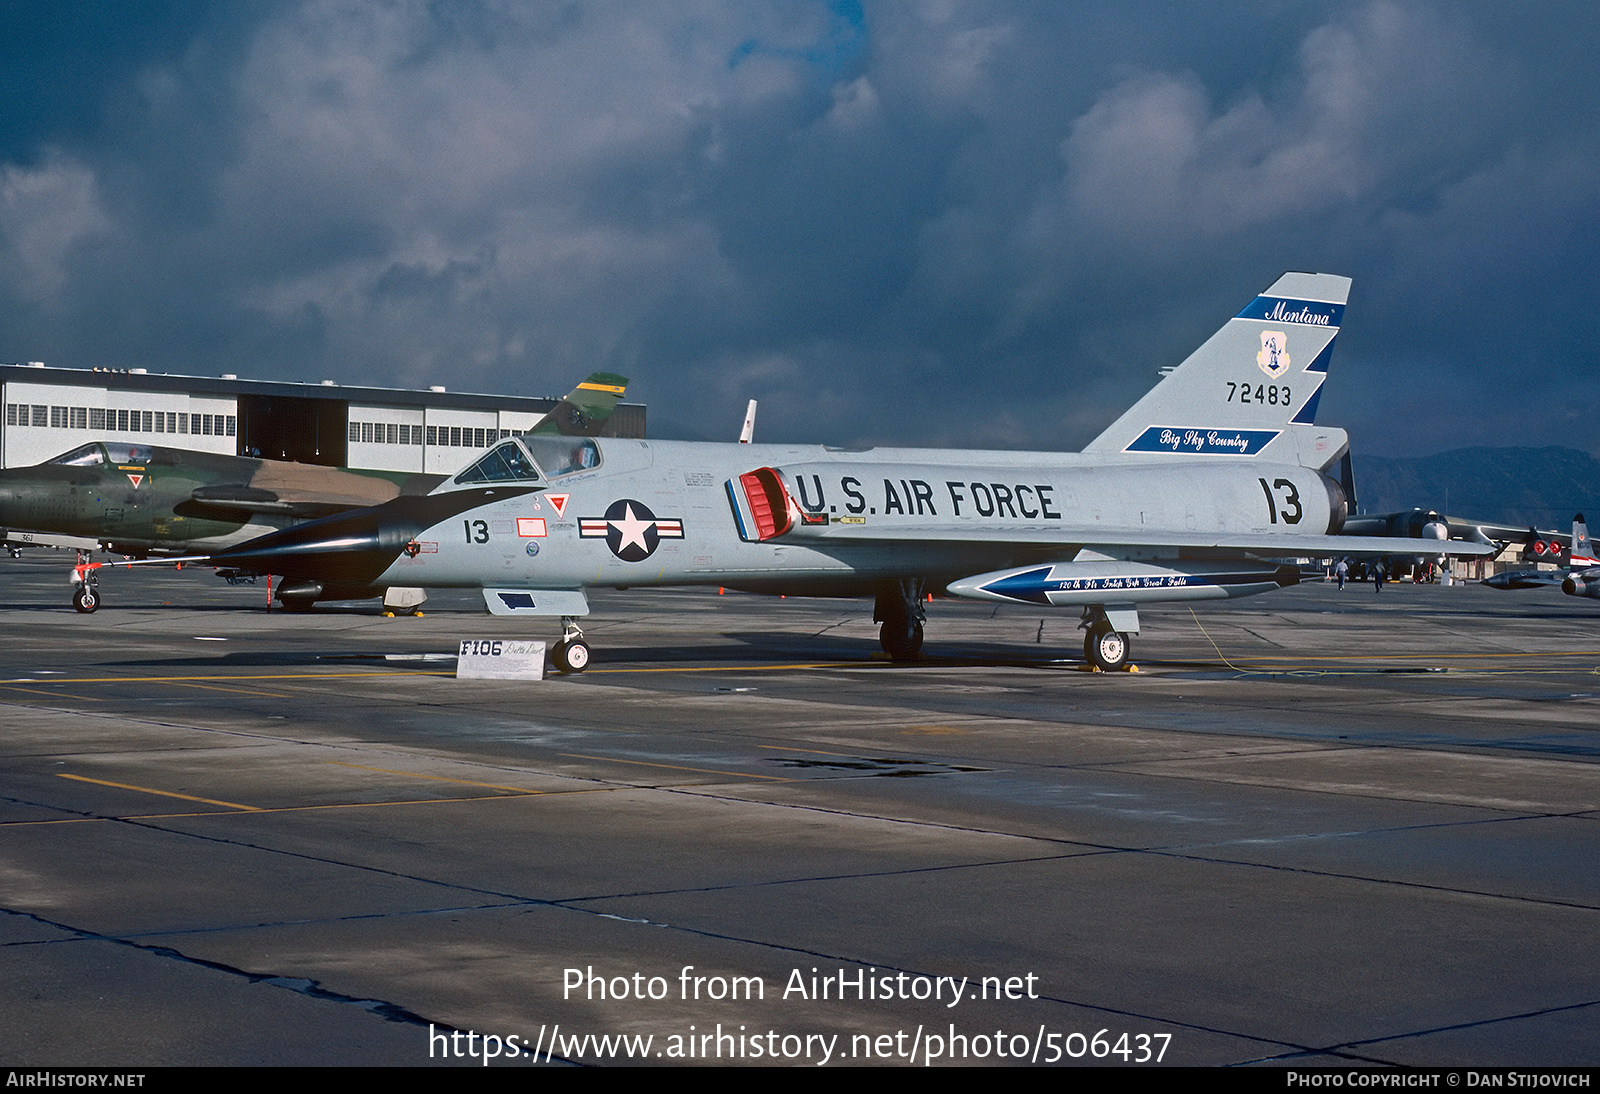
571	656
901	639
1105	648
296	603
86	598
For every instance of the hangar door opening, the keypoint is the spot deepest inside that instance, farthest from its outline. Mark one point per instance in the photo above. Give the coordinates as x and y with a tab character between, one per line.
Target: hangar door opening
284	427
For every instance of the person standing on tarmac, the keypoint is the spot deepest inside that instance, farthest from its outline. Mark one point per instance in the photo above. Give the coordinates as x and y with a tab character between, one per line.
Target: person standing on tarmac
1377	577
1341	571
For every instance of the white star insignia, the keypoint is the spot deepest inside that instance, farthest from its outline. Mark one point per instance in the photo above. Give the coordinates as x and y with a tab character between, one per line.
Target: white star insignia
632	529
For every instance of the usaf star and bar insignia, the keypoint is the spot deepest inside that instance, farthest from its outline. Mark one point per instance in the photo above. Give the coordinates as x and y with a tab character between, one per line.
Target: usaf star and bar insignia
630	529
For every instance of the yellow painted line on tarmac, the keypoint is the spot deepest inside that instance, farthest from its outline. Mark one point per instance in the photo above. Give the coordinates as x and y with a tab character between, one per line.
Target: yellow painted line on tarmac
182	679
676	767
1429	656
429	801
251	810
435	778
807	751
236	691
53	694
162	793
1411	674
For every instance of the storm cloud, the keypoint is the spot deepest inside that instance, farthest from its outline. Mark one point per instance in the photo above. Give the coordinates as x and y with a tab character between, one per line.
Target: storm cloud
943	222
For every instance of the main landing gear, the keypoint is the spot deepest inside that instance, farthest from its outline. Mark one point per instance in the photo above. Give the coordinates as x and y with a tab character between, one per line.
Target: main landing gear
571	654
1104	647
899	607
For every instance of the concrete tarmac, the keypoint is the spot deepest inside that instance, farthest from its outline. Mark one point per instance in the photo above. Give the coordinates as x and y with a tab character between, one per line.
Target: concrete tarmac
1315	827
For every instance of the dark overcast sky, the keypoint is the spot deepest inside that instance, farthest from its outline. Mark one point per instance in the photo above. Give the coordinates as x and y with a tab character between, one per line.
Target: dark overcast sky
940	222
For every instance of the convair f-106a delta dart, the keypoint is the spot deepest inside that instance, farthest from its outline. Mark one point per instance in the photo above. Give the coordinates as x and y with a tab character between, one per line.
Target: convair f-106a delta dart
1196	493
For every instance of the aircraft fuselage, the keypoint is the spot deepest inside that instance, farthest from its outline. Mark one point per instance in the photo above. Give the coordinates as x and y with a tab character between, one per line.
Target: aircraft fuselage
668	513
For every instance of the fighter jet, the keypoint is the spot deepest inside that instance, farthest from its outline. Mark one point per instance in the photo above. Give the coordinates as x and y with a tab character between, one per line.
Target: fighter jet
1195	493
1579	576
146	500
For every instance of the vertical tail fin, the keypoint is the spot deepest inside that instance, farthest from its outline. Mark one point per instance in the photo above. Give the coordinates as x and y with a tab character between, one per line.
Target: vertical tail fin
1252	387
584	411
1582	549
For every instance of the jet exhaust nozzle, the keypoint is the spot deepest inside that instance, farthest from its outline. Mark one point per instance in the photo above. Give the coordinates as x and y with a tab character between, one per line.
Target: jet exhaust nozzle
1582	585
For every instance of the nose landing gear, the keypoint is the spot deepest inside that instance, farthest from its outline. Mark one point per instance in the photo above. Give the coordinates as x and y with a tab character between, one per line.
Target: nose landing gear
85	585
571	654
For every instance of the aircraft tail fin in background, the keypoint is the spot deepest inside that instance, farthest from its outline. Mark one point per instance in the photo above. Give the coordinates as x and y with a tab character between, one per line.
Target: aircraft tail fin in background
1582	549
1252	388
584	411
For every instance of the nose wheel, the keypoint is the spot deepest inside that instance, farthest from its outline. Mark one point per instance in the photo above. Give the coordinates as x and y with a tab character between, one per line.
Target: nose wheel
85	587
571	654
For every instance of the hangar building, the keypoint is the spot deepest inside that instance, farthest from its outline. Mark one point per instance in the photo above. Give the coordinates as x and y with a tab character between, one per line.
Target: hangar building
49	411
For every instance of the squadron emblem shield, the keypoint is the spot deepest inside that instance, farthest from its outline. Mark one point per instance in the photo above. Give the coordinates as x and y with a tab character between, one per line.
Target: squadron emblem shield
630	529
1274	355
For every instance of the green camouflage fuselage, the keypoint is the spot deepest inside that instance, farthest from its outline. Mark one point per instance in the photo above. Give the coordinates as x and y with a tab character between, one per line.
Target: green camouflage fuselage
138	499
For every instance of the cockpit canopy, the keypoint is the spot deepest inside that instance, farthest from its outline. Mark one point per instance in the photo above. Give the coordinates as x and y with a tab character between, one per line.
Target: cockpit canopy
98	452
521	459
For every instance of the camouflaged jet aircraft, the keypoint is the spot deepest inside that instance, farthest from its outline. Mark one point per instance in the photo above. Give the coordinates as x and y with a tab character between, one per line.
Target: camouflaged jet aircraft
1196	493
146	500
